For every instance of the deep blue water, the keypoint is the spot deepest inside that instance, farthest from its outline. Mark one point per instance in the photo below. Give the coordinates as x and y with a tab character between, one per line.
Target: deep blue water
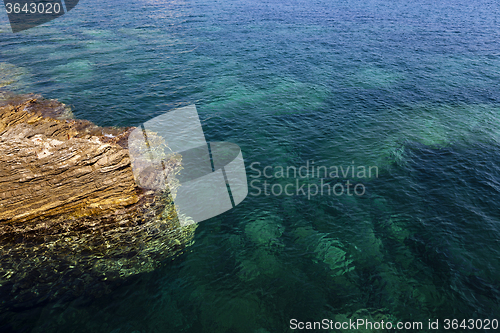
409	88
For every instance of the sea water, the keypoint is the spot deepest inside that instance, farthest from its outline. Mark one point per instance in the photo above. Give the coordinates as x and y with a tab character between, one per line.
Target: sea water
410	89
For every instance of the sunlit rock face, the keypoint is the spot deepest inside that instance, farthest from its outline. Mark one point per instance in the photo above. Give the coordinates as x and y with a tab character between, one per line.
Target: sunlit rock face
72	219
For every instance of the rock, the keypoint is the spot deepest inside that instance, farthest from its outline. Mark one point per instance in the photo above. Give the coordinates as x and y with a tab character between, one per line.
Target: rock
326	250
265	229
260	263
49	167
11	75
72	219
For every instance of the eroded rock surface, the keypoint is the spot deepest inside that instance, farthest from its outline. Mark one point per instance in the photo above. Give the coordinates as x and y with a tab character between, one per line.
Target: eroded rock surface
72	219
52	166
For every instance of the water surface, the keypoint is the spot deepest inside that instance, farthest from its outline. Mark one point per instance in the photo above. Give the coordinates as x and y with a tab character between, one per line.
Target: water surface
411	88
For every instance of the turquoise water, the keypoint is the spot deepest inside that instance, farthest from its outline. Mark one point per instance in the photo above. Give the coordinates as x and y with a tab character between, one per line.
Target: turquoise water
410	89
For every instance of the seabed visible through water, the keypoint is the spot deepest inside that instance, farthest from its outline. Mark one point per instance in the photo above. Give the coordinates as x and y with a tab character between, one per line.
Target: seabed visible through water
409	89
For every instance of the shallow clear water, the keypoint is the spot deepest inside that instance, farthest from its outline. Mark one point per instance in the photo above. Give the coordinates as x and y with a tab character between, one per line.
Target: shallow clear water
411	89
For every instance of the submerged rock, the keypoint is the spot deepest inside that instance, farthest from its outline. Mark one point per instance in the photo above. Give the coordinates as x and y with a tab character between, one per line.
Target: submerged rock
72	219
10	75
260	263
265	229
326	250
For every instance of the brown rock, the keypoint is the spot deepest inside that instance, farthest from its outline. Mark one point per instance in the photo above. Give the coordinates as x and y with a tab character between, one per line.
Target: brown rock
72	219
46	169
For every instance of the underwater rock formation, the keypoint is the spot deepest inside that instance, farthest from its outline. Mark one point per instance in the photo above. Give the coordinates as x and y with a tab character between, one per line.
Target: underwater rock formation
326	250
265	230
72	219
11	75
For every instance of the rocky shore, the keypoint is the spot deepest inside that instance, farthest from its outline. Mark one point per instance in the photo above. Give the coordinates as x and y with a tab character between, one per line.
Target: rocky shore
72	219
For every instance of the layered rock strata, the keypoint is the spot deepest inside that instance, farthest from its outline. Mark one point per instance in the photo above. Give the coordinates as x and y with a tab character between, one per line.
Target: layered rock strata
72	219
